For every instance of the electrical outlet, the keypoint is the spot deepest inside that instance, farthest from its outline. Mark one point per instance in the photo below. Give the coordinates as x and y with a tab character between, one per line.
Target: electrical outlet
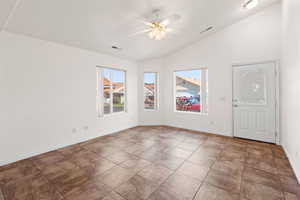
74	130
212	123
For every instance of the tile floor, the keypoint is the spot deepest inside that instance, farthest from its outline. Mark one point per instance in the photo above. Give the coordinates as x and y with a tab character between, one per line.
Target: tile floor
154	163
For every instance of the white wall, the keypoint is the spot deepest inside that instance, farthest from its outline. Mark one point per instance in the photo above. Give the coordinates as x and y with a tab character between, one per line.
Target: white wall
290	82
254	39
47	89
155	117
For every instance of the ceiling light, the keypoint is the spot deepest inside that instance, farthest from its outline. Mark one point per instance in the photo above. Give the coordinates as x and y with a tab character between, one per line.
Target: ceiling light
158	27
250	4
158	30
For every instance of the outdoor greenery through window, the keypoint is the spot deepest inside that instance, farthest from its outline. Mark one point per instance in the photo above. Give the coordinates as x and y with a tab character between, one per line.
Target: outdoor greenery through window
111	90
150	91
191	90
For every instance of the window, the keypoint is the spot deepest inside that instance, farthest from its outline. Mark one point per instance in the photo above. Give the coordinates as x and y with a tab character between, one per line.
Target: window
150	91
191	91
111	91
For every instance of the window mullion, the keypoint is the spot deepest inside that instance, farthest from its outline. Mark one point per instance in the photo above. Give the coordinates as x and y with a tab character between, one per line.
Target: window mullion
102	92
125	91
111	92
156	92
203	91
99	91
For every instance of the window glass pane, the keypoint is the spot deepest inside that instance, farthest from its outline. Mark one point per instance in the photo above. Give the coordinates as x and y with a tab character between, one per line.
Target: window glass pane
205	83
107	90
252	89
110	91
149	91
98	91
118	84
188	91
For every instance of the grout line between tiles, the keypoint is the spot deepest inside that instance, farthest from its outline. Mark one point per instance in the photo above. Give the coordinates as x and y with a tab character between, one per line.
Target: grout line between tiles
185	160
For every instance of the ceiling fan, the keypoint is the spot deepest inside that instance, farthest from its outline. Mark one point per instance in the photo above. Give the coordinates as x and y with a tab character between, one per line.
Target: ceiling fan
157	27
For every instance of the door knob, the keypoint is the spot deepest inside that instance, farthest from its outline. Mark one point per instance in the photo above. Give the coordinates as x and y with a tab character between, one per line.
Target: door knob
235	105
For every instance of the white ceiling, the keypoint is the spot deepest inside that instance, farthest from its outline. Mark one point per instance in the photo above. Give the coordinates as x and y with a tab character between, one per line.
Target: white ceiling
6	6
98	24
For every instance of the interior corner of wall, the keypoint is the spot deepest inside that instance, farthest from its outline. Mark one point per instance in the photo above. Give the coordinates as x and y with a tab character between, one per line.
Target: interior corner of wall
292	160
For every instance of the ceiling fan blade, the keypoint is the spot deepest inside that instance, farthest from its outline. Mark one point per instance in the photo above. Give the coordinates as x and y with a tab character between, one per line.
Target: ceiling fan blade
140	32
173	31
165	22
146	23
171	19
169	30
175	17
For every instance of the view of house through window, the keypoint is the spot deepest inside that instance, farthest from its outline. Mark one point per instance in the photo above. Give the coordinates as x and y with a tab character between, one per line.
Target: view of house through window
110	90
150	91
191	89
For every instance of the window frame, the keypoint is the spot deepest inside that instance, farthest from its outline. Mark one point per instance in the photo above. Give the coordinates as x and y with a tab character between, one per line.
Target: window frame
203	98
100	95
156	92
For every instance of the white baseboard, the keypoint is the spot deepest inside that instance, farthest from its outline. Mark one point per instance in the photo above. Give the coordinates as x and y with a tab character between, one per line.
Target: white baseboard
293	163
201	130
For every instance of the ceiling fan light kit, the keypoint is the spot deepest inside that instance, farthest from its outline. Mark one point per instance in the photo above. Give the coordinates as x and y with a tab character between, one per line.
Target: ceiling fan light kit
157	26
157	31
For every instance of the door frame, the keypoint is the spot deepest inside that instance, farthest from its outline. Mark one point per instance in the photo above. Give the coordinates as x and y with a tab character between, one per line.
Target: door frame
277	95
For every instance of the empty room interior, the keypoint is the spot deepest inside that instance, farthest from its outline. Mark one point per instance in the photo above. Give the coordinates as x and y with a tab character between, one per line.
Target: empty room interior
149	100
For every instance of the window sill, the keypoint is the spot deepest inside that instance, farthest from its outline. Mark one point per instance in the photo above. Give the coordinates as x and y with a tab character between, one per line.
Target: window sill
151	110
112	114
192	113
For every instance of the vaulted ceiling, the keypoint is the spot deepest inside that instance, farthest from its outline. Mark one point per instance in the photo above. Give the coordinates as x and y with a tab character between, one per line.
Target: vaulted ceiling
97	25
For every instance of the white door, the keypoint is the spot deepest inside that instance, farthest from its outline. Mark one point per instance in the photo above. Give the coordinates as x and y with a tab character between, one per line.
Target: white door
254	102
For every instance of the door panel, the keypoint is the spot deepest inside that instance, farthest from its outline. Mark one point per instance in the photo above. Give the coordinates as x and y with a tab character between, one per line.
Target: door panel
254	101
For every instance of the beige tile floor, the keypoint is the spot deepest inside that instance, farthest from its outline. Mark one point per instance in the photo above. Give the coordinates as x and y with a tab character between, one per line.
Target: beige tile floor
155	163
